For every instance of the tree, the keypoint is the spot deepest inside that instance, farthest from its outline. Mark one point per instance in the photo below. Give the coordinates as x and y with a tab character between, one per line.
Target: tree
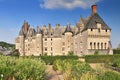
118	46
15	53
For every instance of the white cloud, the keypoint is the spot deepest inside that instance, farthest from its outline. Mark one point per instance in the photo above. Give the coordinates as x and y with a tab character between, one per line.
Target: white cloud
67	4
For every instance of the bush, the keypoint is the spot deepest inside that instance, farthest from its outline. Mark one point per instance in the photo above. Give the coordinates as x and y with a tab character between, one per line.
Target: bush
109	76
96	52
116	63
50	59
70	53
116	51
101	58
72	69
22	68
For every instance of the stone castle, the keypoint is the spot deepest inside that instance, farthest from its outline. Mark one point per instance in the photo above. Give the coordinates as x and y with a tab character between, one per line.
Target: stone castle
87	36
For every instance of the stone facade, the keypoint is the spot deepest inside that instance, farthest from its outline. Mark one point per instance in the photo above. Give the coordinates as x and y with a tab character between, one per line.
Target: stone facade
84	38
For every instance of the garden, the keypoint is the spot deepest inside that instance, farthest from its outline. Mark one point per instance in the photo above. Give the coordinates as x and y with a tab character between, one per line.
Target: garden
69	67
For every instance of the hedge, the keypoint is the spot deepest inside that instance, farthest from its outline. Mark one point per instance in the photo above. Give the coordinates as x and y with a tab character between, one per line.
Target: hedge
50	59
101	58
116	51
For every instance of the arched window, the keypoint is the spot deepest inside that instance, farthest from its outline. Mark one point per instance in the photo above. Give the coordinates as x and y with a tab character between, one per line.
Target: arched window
101	45
98	45
105	45
94	45
90	45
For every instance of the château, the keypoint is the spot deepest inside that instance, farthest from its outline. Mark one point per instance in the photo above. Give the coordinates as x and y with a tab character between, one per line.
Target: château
87	36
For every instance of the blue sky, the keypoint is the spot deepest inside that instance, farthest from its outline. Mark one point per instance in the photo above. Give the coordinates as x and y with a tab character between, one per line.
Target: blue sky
39	12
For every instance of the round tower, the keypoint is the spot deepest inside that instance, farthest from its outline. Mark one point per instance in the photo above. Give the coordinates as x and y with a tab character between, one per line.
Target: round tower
68	39
21	43
39	42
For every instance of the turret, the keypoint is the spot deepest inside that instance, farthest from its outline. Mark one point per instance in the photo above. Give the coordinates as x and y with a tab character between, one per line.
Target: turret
68	39
21	43
39	42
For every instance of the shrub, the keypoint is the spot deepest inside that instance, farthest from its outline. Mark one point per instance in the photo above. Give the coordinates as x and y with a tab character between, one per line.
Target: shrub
101	58
116	51
50	59
70	53
116	63
110	75
22	68
72	69
96	52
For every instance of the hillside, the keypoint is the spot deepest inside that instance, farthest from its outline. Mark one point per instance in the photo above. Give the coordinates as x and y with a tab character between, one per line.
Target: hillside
6	48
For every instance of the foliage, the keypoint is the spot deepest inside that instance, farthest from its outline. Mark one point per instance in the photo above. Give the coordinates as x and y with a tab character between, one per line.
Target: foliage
101	58
70	53
96	52
79	70
116	63
116	51
15	53
72	69
1	53
50	59
109	75
118	46
21	68
7	45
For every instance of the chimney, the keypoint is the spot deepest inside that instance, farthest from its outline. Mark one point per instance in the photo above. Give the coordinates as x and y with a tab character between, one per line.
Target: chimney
94	9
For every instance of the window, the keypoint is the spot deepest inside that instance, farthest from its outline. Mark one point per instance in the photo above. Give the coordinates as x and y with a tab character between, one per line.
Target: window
51	48
98	45
91	29
101	45
63	49
105	45
51	39
45	39
98	30
45	34
106	30
94	45
90	45
45	48
63	43
80	41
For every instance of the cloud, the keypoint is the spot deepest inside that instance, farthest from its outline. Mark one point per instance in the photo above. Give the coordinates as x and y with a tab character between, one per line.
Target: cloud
67	4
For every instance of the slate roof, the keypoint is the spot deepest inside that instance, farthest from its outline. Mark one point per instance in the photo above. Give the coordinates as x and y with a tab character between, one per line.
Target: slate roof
68	29
21	33
39	31
92	22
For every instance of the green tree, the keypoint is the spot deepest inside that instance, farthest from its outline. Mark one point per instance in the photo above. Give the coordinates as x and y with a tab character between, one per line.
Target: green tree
118	46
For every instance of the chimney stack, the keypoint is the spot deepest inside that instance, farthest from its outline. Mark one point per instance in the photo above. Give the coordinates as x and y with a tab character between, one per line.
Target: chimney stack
94	9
